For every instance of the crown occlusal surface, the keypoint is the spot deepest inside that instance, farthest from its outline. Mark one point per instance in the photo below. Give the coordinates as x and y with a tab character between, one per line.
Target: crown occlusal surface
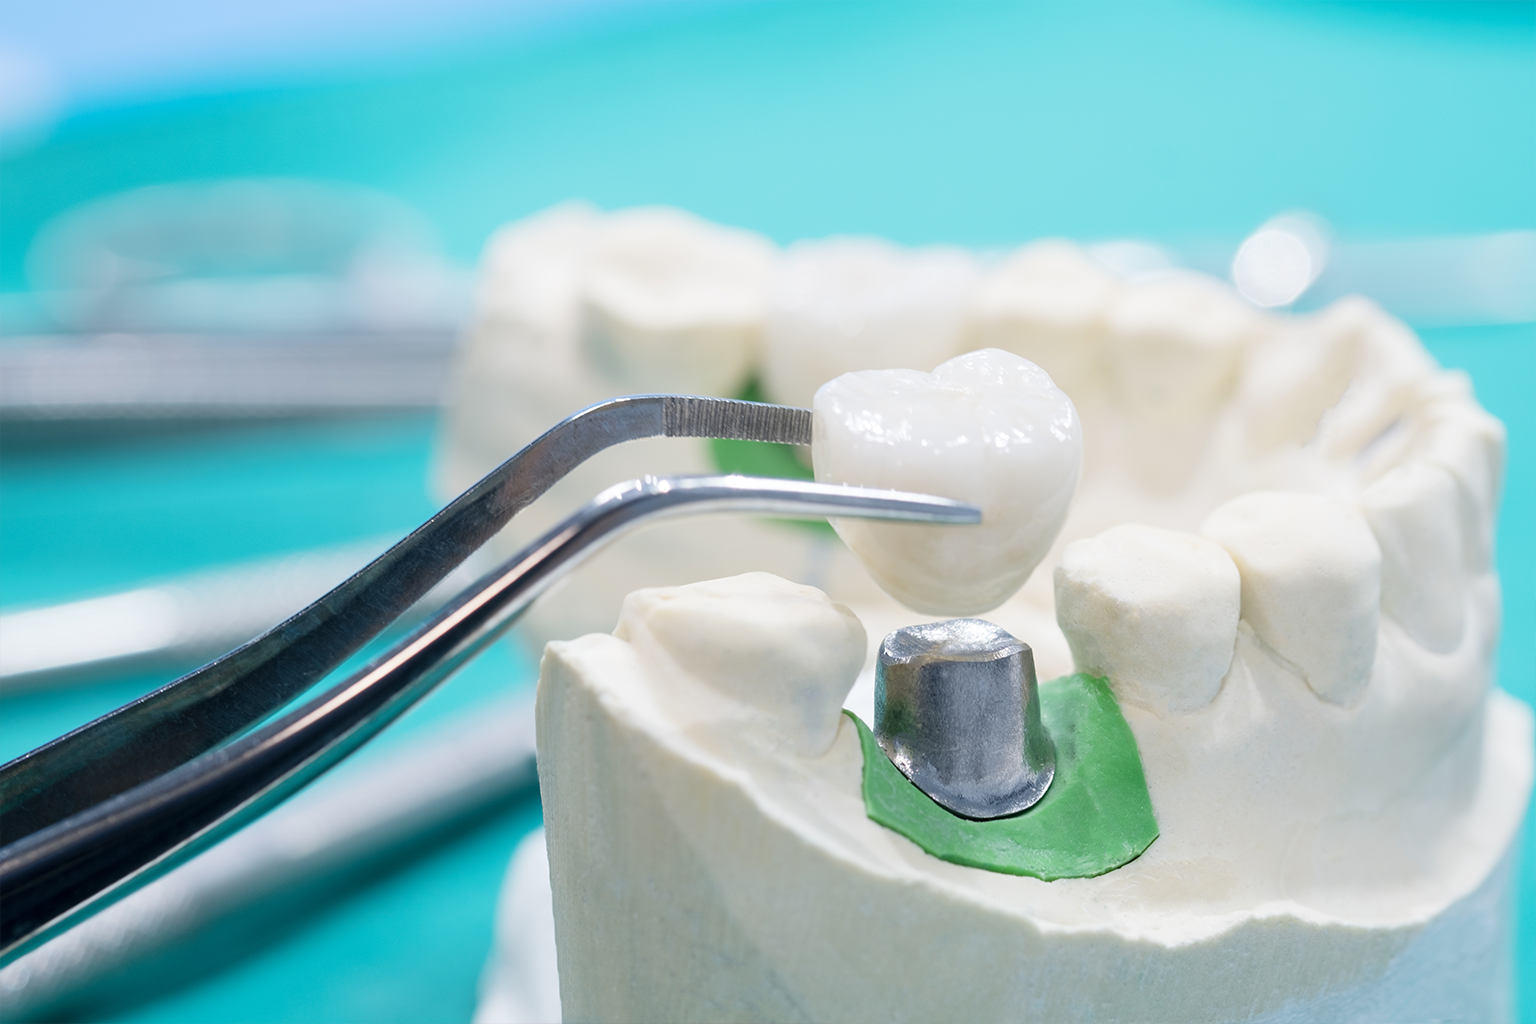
988	427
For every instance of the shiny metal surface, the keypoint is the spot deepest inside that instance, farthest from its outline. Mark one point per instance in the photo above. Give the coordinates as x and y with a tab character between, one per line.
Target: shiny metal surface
217	702
181	622
957	711
62	873
453	773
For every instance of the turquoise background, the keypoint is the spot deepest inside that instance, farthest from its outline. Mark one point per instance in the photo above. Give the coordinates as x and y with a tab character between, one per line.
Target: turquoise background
983	124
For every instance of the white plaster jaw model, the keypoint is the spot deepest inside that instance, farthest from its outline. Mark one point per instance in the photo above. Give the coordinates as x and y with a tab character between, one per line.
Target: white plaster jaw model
711	859
1280	555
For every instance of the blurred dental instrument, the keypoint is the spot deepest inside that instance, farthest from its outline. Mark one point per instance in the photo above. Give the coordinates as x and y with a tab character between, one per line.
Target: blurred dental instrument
115	377
464	767
1430	282
233	298
183	621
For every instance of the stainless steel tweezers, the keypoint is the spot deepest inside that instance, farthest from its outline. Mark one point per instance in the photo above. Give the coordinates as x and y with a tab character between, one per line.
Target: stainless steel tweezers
99	812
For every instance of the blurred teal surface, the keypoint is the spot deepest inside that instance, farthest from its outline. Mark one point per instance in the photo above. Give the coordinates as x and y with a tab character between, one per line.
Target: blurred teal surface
983	124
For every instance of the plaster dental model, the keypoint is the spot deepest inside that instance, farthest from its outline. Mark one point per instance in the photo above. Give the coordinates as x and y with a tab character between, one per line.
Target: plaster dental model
1279	557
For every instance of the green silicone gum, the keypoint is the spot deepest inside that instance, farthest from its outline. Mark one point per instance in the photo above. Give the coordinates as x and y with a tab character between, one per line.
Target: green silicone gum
1097	815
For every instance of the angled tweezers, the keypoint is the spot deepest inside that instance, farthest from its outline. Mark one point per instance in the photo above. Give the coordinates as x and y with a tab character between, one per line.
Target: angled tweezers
101	811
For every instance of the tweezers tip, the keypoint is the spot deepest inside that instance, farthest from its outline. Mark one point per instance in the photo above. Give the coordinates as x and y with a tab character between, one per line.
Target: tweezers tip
733	419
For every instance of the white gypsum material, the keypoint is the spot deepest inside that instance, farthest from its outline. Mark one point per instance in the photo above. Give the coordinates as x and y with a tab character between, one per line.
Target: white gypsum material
742	877
1297	514
464	765
185	619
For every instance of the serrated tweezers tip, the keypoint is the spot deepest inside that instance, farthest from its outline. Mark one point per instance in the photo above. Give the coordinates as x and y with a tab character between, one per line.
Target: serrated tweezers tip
688	416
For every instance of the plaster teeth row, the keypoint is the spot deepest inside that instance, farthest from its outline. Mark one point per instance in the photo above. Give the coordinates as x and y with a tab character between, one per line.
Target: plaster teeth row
1401	526
1158	611
1173	375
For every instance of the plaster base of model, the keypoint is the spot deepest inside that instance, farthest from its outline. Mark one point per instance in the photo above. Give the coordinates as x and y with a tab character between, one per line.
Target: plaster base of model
704	870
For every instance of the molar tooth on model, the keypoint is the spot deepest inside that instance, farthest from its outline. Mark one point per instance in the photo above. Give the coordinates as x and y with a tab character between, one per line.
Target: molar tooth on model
1415	513
525	306
988	427
1311	584
1390	369
1047	302
1173	350
727	635
1293	376
673	303
1175	344
1153	610
844	304
1469	444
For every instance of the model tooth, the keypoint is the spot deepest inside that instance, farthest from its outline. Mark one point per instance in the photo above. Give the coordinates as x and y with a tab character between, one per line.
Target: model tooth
518	370
1294	375
730	635
1415	513
672	303
1048	303
1175	344
988	427
1390	369
861	304
1311	591
1154	610
1468	443
530	269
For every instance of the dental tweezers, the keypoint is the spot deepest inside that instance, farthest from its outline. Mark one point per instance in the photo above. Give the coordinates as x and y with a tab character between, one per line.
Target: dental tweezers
101	811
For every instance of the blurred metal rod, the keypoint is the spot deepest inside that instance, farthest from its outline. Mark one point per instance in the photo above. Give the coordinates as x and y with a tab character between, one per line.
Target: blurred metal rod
474	762
184	621
178	376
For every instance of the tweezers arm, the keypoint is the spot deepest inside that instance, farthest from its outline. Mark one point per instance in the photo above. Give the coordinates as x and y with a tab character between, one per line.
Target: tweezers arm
204	708
81	864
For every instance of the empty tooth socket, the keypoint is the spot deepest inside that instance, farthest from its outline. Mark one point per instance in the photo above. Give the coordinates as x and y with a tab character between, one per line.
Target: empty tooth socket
684	416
